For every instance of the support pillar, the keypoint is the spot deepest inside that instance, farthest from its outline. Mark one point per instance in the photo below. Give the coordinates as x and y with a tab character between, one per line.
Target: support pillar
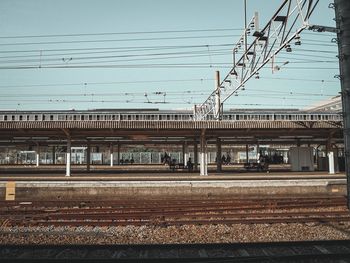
336	161
111	153
247	153
68	157
88	157
330	154
195	153
342	17
218	155
203	154
53	155
331	162
118	154
37	155
185	152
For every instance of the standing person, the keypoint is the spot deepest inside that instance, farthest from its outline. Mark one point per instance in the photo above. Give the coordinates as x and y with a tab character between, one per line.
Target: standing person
189	165
223	159
228	159
261	164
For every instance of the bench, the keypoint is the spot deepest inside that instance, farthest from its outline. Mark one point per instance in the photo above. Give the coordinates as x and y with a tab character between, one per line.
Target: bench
177	166
257	166
249	166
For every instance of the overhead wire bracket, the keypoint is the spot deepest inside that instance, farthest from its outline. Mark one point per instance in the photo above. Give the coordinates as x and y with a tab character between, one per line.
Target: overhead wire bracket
290	19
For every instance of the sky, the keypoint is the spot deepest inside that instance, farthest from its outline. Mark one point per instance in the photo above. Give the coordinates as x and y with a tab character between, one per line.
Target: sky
85	54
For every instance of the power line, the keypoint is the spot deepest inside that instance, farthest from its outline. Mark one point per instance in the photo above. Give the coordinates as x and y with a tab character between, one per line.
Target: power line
133	66
86	84
301	79
124	33
170	55
114	40
119	49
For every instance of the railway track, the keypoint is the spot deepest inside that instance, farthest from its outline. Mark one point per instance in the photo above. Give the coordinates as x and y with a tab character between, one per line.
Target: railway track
302	251
174	212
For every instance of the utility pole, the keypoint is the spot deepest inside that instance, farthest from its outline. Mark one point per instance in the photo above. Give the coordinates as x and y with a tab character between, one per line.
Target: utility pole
217	113
342	15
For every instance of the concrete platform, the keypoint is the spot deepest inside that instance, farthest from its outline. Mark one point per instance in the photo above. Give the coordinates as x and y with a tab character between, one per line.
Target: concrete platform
111	190
50	183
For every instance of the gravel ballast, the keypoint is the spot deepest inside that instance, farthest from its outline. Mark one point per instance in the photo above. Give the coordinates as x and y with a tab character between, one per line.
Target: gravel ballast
175	234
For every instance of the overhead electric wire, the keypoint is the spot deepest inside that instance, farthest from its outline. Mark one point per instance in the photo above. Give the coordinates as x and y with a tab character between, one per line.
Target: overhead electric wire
153	93
299	79
113	40
143	66
86	84
171	55
124	33
122	49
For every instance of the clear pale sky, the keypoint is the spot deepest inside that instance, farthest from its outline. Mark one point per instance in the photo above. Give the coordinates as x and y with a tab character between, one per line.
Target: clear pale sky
174	64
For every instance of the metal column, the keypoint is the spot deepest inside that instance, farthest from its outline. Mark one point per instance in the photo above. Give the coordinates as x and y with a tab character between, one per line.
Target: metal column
203	154
68	157
185	152
118	154
342	13
53	155
37	155
218	156
195	153
217	110
247	153
88	157
111	152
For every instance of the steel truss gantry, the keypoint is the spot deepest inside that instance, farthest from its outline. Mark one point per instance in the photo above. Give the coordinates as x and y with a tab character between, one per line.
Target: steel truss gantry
290	19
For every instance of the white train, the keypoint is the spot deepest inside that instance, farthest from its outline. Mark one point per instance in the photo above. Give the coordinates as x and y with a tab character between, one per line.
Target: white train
163	115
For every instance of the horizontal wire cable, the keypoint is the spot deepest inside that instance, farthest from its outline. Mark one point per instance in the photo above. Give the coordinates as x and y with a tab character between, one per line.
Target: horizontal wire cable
123	33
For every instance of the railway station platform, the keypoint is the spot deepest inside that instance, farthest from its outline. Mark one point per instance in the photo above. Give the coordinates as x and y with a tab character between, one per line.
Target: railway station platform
39	185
